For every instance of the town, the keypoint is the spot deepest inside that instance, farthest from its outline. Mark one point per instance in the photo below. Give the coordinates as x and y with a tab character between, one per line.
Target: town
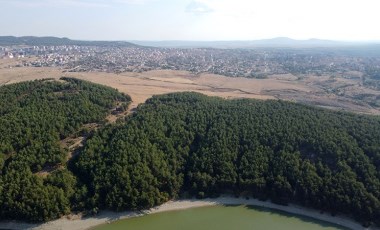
251	63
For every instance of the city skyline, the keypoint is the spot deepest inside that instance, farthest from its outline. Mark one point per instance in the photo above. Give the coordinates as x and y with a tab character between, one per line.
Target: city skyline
191	20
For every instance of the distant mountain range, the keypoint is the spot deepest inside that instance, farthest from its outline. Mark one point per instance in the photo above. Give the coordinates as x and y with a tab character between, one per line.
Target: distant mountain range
55	41
281	42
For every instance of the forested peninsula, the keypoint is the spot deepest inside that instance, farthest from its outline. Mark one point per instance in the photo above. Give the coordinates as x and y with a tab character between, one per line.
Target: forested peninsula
181	144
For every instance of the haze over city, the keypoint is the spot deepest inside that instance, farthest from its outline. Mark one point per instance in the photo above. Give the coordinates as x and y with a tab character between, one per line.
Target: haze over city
202	20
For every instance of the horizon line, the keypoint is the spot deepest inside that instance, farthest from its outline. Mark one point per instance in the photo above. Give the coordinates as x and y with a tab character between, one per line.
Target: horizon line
199	40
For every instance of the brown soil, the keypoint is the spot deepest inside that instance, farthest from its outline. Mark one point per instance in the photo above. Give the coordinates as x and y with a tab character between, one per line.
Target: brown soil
141	86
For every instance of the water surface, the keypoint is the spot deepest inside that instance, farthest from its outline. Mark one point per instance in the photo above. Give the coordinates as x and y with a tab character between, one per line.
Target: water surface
220	218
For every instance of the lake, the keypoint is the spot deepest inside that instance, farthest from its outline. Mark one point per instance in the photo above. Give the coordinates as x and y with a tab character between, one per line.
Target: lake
221	218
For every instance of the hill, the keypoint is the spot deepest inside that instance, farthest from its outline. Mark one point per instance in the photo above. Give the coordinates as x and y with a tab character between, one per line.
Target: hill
181	144
54	41
187	143
35	117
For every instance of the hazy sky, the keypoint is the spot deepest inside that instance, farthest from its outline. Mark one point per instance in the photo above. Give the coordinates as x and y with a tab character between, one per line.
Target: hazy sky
192	19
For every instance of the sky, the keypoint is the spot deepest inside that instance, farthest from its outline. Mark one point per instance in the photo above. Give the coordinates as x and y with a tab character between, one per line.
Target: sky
192	20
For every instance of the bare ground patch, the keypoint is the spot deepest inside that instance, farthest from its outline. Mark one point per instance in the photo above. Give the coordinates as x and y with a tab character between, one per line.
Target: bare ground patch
324	91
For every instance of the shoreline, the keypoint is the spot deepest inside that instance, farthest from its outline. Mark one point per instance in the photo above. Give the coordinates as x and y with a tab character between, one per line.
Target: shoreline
104	217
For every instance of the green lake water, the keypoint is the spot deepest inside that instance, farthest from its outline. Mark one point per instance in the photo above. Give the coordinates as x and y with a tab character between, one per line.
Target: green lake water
220	218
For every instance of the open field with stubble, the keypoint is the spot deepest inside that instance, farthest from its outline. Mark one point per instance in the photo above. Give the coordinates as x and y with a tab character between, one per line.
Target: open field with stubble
338	93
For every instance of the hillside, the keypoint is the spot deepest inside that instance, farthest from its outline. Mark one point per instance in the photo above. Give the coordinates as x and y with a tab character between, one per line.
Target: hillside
34	117
184	144
204	146
54	41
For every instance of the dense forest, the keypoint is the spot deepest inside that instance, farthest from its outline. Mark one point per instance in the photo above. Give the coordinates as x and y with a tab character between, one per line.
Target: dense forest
204	146
182	144
34	117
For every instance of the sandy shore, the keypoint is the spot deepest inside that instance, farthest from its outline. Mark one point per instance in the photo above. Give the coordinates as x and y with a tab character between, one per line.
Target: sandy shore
77	223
